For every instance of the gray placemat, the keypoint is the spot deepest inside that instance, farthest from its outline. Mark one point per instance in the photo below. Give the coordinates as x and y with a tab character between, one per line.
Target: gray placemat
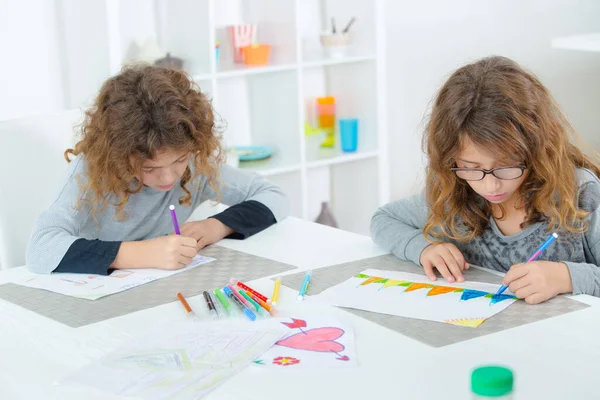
76	312
435	334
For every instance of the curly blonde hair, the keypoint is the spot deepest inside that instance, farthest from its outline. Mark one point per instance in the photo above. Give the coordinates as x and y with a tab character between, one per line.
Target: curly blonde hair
498	106
139	113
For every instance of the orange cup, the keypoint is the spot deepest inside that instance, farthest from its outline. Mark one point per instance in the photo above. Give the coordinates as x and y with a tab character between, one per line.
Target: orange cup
256	54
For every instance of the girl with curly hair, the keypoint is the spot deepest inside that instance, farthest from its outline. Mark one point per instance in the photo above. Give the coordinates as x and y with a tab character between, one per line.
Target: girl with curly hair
149	141
502	174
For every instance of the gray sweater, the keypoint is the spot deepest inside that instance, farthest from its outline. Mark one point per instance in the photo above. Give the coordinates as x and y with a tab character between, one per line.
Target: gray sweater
397	227
147	214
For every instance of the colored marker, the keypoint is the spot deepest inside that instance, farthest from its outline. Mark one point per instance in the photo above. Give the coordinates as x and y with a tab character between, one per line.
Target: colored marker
248	289
259	309
270	308
187	307
249	299
247	312
174	219
221	297
211	305
534	257
304	286
275	297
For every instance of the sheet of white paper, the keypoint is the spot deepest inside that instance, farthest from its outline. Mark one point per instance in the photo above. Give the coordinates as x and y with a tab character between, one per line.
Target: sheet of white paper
92	287
414	296
183	361
312	343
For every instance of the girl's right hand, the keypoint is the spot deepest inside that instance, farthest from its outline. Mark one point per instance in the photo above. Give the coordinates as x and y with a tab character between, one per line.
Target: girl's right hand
447	259
171	252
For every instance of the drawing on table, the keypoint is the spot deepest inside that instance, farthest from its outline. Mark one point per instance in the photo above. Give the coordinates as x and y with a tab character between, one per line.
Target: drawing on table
285	361
182	360
412	296
434	290
123	273
319	343
92	287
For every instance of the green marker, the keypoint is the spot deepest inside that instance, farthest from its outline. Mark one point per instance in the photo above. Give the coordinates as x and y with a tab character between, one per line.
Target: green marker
223	301
250	300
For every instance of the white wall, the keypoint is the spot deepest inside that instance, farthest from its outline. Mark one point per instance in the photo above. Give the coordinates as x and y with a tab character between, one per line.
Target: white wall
30	75
428	39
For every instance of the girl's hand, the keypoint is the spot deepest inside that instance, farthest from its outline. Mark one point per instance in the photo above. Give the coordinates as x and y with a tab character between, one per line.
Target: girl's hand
538	281
170	252
447	259
206	232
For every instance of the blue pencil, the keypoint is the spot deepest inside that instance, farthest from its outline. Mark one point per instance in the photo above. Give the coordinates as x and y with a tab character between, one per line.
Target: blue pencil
534	257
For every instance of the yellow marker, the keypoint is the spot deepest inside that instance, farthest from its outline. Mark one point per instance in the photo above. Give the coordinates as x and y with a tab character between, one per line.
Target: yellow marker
275	296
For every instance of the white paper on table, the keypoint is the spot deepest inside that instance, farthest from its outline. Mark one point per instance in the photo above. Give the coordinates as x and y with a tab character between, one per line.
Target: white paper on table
93	287
414	296
181	361
313	342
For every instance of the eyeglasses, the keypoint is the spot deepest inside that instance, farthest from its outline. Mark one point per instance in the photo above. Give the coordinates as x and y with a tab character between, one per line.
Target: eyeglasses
472	174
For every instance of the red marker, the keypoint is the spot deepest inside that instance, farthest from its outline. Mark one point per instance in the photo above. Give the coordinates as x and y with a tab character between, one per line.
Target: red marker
248	289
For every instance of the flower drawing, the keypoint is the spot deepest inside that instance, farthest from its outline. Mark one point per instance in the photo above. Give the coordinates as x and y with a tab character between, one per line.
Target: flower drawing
285	361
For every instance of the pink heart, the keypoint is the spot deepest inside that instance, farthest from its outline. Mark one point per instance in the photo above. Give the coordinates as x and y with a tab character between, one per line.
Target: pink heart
318	339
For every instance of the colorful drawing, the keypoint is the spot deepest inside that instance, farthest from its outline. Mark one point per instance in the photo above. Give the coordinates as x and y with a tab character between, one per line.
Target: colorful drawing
324	344
285	361
470	322
76	283
466	305
441	290
467	294
121	274
394	282
472	294
418	285
92	287
321	340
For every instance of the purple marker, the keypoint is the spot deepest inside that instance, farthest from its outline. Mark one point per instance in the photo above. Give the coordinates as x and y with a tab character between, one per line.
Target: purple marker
174	218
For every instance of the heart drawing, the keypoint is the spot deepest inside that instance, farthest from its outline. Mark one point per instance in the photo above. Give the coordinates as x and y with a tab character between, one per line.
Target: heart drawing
321	340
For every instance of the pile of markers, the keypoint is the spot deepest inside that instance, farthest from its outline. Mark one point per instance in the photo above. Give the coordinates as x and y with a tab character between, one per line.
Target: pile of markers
237	297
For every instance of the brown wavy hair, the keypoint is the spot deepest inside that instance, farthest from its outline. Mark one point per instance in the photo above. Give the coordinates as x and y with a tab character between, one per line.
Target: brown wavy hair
137	114
498	106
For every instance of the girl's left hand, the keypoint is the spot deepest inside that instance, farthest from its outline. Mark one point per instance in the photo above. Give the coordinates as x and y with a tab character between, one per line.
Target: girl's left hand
206	232
538	281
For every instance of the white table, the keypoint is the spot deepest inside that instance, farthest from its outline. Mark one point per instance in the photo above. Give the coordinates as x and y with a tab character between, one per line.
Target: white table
553	359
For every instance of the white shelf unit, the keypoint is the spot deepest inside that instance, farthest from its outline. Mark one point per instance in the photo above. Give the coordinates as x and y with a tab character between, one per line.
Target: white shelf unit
267	105
588	42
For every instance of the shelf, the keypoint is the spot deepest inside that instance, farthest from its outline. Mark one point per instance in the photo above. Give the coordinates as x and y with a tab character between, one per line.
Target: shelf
589	42
337	61
242	70
275	165
335	156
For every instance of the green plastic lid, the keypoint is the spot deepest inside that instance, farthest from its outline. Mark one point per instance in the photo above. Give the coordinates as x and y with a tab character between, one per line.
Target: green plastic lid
492	381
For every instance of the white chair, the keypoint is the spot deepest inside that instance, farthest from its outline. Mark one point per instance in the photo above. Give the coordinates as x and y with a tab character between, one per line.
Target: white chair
31	165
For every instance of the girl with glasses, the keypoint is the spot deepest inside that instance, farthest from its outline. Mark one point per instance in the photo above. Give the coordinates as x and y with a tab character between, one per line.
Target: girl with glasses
503	173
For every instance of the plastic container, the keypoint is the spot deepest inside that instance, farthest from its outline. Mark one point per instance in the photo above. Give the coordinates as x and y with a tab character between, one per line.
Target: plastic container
492	382
349	134
256	54
335	45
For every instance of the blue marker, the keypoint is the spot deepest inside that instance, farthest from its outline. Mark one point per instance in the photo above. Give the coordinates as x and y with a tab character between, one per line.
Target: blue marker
304	286
237	301
534	257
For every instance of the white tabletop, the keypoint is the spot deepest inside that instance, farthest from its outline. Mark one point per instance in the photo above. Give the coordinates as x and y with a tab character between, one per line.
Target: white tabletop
552	359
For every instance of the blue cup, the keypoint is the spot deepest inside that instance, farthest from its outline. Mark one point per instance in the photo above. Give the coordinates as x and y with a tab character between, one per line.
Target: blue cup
349	134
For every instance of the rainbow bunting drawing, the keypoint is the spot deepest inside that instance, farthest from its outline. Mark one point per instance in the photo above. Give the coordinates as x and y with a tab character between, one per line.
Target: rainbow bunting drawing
403	294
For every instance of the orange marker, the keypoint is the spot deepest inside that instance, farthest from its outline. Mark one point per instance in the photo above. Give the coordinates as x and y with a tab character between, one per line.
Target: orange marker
264	305
185	303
